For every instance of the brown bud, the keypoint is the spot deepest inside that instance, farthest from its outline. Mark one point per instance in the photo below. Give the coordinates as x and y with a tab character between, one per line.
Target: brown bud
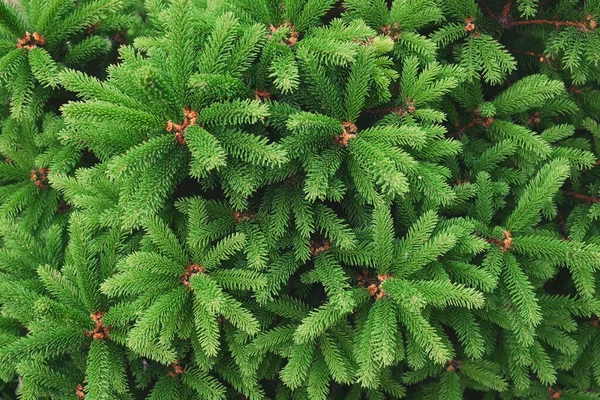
469	24
190	271
349	132
79	392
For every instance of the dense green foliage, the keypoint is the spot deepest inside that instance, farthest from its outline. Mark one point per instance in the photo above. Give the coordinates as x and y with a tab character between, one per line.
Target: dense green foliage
299	199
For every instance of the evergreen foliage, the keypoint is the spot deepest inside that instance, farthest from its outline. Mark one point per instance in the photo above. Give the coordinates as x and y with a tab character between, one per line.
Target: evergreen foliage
299	199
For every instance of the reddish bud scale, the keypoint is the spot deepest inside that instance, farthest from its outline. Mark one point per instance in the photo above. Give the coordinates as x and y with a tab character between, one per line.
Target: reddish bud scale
39	177
596	321
318	246
291	39
487	121
349	132
393	31
175	369
120	37
79	392
91	29
372	284
261	94
504	243
100	331
534	119
469	24
31	40
554	393
189	118
453	365
190	271
63	207
241	216
410	106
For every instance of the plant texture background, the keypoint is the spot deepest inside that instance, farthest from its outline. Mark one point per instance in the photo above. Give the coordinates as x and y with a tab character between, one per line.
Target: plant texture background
299	199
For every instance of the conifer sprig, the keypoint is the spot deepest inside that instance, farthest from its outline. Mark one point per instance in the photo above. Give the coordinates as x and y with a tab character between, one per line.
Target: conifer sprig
299	199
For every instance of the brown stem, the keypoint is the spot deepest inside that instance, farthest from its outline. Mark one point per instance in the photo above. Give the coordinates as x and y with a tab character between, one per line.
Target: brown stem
557	24
594	165
487	9
399	110
506	9
464	129
478	119
588	199
563	226
542	57
384	110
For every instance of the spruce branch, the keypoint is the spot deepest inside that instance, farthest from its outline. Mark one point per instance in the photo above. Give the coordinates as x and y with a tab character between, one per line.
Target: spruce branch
300	199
